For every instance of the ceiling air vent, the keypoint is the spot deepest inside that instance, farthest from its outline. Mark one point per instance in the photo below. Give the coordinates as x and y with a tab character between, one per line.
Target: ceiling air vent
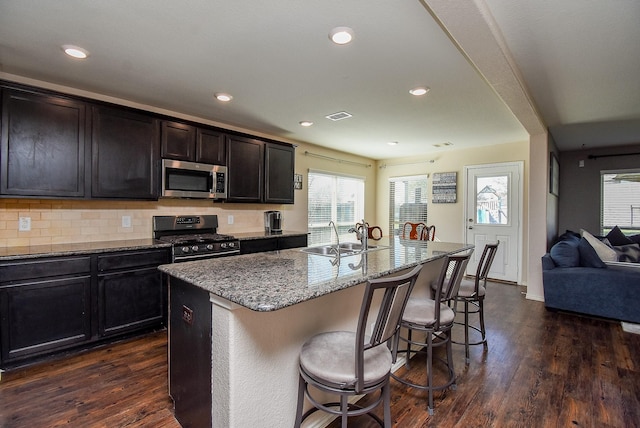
339	115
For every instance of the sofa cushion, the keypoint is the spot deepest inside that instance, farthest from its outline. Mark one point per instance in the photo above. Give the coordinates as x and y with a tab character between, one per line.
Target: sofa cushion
605	252
588	256
616	237
628	253
565	254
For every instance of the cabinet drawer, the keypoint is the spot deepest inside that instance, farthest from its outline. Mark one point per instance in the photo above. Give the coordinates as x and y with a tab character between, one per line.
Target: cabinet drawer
132	259
40	268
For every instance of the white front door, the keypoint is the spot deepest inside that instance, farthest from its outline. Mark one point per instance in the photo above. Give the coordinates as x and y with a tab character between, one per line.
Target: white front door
493	207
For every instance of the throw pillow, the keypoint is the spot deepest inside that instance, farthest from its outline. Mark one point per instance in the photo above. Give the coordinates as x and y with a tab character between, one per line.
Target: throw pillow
605	252
629	253
635	238
616	237
588	256
565	254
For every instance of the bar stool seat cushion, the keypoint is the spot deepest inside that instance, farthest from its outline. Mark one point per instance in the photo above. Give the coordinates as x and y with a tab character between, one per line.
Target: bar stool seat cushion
468	288
330	356
422	310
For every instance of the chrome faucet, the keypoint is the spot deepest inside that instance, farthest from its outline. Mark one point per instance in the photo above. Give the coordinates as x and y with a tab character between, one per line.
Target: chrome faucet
335	249
362	234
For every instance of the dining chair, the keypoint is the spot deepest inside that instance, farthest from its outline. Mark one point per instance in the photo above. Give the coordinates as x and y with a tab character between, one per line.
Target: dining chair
418	231
347	364
472	294
433	319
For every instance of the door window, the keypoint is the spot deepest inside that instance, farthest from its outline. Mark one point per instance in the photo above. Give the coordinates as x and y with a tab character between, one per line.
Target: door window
492	200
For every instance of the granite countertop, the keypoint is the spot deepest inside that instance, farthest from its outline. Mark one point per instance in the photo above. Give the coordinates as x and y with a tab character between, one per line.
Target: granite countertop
39	251
274	280
72	249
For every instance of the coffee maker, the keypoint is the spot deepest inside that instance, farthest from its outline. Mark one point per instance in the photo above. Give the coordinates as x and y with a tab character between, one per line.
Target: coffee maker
273	222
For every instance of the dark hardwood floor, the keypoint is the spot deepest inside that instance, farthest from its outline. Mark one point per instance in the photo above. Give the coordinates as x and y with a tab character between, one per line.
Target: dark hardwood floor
541	369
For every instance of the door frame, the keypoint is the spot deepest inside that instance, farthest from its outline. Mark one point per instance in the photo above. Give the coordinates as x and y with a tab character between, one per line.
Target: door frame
520	202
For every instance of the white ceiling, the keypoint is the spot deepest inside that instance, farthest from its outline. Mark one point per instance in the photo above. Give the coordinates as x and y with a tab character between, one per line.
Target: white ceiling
571	65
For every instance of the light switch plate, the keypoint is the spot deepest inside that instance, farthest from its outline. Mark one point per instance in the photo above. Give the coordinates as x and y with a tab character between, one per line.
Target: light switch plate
126	221
24	224
230	219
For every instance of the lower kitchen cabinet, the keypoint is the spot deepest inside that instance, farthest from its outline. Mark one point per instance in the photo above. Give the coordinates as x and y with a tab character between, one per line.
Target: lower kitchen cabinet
131	292
45	306
272	243
60	304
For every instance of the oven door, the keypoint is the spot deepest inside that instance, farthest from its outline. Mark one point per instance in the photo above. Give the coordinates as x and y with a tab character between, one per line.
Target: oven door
193	180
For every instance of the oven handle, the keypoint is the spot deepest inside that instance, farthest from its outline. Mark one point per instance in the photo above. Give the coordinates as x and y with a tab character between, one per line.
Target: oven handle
205	256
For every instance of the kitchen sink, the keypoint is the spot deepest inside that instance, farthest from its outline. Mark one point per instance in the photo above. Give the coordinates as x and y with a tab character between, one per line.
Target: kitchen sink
345	248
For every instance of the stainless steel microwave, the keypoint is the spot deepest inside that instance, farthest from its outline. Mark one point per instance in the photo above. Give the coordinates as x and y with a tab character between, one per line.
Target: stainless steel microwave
182	179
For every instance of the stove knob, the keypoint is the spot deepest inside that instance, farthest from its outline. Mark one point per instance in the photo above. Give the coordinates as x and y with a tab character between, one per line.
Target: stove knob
185	249
209	247
232	244
223	245
194	248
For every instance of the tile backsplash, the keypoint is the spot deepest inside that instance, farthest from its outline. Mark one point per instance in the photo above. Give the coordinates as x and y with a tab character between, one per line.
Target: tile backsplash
69	221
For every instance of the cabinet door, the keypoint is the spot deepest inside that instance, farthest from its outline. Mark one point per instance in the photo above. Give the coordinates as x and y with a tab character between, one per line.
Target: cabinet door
42	316
130	300
245	170
125	154
43	145
178	141
279	167
211	147
250	246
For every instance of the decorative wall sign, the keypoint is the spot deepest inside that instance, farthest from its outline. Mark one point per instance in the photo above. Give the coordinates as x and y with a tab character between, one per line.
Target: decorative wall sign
297	181
444	187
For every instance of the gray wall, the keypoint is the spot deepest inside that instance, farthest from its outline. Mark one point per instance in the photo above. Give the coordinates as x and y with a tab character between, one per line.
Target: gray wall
579	199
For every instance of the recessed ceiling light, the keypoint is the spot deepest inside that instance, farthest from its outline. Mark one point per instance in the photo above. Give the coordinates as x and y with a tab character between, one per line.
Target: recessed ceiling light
75	51
306	123
392	143
223	97
419	91
341	35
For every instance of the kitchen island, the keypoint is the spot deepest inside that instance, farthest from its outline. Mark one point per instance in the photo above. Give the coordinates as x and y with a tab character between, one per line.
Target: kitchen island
237	324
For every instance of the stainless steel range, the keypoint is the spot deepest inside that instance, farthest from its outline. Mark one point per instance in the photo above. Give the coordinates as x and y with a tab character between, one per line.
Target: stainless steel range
194	237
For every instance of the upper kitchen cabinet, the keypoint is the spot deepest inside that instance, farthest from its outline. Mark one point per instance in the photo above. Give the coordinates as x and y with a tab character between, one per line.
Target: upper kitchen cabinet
42	145
245	163
125	154
260	171
181	141
279	163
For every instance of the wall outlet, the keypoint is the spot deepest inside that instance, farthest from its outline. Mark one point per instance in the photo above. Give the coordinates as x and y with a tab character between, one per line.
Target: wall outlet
126	221
24	224
230	219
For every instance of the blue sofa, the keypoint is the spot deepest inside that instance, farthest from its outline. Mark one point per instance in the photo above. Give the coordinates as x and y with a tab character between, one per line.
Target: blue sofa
575	279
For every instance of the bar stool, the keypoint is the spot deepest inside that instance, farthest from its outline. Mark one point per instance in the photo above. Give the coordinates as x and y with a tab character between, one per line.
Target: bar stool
434	319
472	293
347	363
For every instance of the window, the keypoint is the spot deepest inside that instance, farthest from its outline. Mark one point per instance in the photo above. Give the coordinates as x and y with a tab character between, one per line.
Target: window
620	201
336	198
407	201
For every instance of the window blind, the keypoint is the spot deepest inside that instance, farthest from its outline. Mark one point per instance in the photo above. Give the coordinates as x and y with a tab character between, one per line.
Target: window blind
407	201
337	198
620	201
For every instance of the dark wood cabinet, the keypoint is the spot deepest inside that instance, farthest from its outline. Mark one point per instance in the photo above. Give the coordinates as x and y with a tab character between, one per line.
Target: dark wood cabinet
260	171
279	169
125	154
42	145
272	243
45	306
245	163
131	291
58	304
181	141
